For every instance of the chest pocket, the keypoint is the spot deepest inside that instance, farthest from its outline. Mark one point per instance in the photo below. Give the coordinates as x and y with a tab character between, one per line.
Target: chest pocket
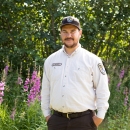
82	73
56	72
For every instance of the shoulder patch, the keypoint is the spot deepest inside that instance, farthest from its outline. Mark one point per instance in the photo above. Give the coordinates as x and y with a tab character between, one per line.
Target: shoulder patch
101	68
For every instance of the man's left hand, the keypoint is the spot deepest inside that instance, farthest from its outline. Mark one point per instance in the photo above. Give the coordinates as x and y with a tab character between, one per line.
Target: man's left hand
97	120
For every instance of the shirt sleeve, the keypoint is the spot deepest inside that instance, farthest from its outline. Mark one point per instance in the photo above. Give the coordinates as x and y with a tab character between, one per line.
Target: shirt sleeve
100	80
45	92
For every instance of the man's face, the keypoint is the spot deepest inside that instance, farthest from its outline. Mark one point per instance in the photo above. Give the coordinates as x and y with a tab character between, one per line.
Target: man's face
70	36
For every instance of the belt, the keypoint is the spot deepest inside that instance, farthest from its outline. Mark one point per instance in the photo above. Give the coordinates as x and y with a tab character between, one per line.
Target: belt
72	115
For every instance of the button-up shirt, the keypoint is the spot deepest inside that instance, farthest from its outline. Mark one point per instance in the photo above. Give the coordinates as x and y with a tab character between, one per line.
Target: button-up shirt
74	83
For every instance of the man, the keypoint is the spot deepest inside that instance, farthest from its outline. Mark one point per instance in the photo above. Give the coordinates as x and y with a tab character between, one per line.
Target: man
74	84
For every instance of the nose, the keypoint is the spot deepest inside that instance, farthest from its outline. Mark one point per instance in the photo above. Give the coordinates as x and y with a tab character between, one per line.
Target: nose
68	34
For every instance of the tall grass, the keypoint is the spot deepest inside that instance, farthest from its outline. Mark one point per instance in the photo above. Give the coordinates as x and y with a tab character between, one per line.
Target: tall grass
118	114
26	118
20	109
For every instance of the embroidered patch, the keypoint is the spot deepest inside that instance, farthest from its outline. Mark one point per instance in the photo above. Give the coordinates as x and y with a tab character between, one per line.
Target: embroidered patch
69	19
56	64
101	68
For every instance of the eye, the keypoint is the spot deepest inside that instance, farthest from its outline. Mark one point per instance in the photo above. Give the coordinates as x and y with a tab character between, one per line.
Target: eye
73	31
64	32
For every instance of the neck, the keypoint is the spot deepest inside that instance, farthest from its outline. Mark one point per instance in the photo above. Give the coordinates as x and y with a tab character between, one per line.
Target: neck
69	51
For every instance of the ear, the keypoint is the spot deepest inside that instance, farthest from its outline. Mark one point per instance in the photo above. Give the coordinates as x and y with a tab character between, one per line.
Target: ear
80	33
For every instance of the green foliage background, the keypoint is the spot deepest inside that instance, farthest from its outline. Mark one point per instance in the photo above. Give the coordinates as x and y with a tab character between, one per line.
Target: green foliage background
29	33
29	29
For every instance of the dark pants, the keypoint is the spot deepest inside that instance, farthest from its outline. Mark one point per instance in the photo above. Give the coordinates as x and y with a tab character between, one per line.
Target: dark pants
85	122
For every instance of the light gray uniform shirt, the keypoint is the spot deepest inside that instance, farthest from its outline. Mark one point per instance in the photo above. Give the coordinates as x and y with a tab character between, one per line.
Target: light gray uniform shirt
74	83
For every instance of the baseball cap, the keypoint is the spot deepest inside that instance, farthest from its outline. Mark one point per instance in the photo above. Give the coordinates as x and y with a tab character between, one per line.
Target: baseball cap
71	21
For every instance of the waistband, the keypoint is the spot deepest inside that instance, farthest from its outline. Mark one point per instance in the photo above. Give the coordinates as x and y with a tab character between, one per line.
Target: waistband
72	115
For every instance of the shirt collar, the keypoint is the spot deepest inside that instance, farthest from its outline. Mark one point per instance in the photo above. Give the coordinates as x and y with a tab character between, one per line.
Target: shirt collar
76	51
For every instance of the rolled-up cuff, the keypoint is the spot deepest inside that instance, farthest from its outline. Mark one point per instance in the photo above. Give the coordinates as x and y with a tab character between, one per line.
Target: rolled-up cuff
101	114
46	113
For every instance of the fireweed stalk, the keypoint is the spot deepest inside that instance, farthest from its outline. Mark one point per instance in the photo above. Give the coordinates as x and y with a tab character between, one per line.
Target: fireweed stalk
6	69
126	93
19	80
121	75
12	116
35	89
2	85
26	84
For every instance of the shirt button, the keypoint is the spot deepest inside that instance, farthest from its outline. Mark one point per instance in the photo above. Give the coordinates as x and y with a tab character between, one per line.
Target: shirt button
64	86
62	95
65	75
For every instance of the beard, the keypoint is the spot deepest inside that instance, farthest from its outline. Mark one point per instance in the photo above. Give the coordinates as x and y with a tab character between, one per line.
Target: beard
70	46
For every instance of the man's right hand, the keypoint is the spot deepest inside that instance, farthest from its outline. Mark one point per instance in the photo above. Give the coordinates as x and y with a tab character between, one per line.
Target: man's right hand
47	118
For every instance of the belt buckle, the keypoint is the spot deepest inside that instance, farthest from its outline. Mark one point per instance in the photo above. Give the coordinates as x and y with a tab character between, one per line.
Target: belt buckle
68	115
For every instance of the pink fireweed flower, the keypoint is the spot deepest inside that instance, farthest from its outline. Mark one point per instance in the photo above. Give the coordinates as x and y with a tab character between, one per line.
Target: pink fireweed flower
118	85
13	114
2	88
1	93
126	91
26	84
122	74
126	101
1	100
34	75
6	69
39	97
2	84
25	88
35	89
19	80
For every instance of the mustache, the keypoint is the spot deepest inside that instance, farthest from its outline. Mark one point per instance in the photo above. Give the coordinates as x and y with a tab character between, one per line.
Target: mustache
69	39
